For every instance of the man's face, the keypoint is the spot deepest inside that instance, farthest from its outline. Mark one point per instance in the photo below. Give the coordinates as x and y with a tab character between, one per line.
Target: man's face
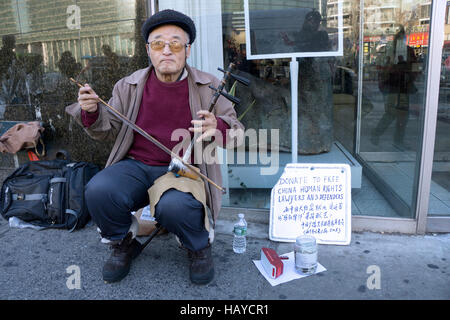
168	64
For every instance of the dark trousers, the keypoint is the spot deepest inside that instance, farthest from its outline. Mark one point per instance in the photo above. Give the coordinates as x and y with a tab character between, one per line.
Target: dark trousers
116	191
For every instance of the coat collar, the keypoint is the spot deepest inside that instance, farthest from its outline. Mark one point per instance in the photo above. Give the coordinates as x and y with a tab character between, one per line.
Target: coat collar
142	75
138	76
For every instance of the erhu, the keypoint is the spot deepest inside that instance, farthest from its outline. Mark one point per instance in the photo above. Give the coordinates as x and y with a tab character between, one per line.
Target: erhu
177	166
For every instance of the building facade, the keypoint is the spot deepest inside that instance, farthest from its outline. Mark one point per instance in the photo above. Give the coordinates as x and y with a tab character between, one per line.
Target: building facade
382	105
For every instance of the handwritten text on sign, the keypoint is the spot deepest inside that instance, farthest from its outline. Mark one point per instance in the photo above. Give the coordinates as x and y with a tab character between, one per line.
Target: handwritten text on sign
312	199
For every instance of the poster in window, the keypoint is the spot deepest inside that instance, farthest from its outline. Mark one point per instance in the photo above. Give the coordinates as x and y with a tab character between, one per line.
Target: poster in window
296	30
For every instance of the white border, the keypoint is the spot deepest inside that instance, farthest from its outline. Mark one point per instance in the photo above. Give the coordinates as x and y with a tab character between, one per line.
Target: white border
250	56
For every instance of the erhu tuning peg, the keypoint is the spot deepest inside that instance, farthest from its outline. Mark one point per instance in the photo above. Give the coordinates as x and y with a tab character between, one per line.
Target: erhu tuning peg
231	98
220	69
228	96
240	79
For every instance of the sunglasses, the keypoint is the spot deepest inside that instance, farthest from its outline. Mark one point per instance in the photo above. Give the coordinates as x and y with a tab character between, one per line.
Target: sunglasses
174	45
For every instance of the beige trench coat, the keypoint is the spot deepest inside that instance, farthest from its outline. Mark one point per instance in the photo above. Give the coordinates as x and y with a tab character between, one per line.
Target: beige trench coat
126	98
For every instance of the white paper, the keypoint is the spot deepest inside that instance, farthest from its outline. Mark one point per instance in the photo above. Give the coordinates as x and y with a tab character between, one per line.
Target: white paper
146	214
15	222
289	272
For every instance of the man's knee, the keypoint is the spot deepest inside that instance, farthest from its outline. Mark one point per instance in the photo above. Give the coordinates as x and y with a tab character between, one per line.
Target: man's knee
169	206
96	188
101	190
178	207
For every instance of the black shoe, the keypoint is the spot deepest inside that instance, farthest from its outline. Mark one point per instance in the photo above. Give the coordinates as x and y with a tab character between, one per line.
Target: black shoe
201	269
119	262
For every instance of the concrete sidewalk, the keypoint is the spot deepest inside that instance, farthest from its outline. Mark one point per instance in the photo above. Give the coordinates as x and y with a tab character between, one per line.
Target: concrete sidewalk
34	265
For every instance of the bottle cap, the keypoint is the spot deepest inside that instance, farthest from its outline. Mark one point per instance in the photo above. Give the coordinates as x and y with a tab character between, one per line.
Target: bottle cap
241	215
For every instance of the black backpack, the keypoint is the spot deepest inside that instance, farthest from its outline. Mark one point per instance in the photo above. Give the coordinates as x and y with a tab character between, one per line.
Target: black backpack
48	193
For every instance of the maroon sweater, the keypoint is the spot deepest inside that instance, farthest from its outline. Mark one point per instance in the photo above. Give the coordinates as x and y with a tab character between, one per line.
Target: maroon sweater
164	108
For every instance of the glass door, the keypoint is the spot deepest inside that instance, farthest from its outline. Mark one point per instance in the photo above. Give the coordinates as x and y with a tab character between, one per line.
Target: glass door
394	54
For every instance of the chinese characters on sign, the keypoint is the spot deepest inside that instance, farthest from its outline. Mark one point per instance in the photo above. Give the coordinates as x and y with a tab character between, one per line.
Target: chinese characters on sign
417	39
312	199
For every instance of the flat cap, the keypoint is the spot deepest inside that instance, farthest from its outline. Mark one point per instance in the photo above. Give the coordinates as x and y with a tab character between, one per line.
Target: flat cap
169	17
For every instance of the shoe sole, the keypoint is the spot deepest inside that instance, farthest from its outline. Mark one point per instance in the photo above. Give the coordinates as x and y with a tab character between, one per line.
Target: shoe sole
117	277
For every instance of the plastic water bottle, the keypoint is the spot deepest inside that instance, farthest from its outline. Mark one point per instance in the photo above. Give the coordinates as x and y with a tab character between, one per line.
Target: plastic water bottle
240	231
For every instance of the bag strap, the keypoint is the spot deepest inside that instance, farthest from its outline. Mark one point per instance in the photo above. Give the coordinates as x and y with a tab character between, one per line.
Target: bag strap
58	180
42	154
58	225
61	225
75	214
29	197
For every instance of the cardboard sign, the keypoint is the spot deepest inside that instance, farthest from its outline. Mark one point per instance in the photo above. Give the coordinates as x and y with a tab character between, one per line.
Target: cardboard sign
312	199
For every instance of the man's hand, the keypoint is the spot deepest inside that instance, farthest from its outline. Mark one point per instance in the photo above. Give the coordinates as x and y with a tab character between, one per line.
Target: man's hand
88	99
207	126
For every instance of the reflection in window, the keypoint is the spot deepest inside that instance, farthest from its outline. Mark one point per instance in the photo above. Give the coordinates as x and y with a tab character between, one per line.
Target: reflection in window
46	42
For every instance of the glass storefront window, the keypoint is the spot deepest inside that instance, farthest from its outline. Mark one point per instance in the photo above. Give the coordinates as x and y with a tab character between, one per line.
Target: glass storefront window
439	203
376	119
46	42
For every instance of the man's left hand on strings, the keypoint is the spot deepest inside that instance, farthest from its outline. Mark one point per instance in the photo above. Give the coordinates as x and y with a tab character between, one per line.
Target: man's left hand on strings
207	126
